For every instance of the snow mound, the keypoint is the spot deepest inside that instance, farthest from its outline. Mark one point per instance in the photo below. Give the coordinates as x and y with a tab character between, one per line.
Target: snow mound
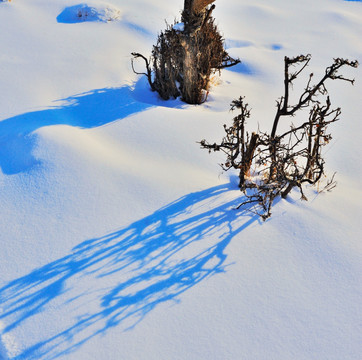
89	12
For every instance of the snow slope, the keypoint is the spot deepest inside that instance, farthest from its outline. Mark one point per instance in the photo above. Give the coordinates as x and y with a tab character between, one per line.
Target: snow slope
118	238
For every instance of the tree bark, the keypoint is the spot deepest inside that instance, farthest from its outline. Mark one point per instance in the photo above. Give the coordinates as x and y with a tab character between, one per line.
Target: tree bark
193	15
247	159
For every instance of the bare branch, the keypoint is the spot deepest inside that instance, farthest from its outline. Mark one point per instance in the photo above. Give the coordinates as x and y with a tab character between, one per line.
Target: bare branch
148	69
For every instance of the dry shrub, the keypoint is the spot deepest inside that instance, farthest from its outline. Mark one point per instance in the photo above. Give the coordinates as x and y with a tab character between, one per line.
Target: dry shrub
183	61
271	164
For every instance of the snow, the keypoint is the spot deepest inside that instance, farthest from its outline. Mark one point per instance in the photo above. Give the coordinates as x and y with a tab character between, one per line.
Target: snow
86	12
179	26
119	238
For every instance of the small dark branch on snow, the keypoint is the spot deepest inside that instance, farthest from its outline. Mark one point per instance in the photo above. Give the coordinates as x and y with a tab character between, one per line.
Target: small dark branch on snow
228	62
148	68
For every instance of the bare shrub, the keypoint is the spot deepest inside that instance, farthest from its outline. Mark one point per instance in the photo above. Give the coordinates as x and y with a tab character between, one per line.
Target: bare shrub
272	164
186	55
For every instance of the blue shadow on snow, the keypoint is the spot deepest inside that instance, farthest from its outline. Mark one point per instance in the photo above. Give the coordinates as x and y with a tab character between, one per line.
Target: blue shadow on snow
78	14
244	69
131	271
87	110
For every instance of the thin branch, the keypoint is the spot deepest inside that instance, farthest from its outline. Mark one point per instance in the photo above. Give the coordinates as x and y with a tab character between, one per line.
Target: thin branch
148	68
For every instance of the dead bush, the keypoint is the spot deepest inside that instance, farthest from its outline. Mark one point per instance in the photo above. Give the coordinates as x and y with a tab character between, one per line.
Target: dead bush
187	54
272	164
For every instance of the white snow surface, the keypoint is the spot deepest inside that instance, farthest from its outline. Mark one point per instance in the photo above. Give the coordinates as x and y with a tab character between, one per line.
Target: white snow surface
118	235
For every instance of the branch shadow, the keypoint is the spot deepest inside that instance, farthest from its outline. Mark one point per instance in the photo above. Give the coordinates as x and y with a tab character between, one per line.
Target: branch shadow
86	110
117	279
245	69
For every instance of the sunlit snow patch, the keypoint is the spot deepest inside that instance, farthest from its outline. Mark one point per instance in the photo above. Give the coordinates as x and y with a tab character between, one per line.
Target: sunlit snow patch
8	347
89	12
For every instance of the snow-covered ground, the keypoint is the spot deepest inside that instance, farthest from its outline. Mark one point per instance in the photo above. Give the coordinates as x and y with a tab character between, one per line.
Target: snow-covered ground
118	238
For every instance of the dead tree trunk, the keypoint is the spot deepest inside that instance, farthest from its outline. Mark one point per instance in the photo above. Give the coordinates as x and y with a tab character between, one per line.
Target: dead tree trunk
195	75
195	14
